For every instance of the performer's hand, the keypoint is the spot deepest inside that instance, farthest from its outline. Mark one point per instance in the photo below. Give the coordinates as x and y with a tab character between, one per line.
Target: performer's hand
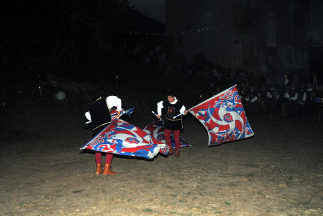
159	116
117	117
186	111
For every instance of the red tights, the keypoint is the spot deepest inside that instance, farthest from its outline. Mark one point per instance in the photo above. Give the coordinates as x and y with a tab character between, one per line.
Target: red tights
108	158
176	138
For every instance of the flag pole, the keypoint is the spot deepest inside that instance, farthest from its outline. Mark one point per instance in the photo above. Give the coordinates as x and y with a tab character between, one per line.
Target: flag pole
156	114
177	116
212	97
207	100
121	113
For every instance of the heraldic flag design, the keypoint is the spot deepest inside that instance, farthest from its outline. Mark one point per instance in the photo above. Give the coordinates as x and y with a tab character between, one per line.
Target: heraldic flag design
156	129
224	117
122	138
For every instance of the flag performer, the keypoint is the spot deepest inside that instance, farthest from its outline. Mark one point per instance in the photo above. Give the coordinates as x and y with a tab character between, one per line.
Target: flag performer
173	107
157	130
100	117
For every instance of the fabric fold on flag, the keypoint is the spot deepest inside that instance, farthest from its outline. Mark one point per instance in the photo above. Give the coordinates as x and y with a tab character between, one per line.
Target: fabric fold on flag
156	129
224	117
122	138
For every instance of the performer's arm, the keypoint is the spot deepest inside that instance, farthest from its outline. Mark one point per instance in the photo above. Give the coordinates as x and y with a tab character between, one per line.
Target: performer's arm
183	110
88	116
159	108
118	115
113	101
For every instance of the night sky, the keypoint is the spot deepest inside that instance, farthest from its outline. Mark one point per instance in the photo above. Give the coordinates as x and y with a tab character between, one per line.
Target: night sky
152	8
60	35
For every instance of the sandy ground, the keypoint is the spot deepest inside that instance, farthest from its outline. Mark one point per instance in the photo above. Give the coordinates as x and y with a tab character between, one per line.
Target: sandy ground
277	172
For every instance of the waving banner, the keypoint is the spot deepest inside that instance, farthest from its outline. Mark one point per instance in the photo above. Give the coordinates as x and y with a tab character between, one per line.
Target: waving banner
122	138
224	117
156	129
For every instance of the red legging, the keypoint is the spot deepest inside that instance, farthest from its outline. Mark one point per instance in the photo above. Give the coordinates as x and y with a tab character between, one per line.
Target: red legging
108	158
176	138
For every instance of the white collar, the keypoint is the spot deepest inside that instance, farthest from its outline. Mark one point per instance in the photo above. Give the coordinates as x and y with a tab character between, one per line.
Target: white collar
174	102
309	89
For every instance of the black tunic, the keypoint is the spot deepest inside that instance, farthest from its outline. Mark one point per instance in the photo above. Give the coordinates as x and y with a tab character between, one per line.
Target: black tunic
293	104
100	115
172	110
272	102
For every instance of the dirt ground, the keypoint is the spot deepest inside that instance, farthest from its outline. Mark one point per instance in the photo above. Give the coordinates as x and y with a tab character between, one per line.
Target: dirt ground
276	172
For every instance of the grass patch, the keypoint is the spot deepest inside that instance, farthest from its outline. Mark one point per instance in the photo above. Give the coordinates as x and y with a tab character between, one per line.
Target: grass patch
100	189
304	203
148	210
227	203
252	165
249	175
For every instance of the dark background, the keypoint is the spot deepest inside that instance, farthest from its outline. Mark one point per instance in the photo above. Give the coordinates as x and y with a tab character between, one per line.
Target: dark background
66	37
80	47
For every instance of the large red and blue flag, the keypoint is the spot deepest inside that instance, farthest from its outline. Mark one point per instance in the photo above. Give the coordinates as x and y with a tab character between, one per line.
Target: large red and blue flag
156	129
224	117
122	138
